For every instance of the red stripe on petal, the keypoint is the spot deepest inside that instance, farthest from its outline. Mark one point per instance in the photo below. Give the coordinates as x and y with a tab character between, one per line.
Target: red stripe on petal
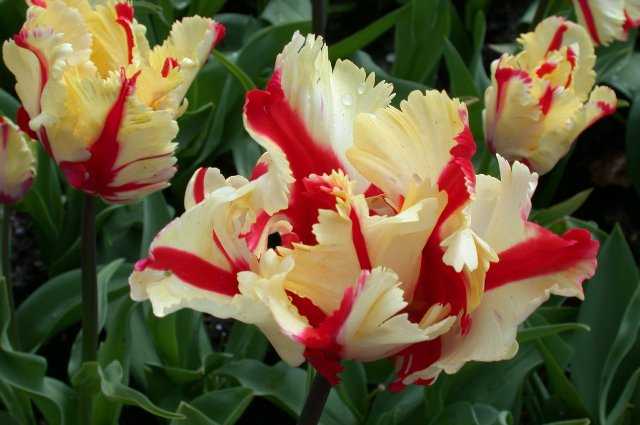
503	77
124	17
415	358
546	68
359	243
198	186
259	170
21	40
191	269
589	20
4	133
322	349
169	64
545	253
308	309
219	31
458	178
629	23
253	236
558	36
237	264
546	100
39	3
23	120
96	174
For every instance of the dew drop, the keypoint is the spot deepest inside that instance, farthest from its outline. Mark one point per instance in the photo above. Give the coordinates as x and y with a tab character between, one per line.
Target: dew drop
361	88
347	100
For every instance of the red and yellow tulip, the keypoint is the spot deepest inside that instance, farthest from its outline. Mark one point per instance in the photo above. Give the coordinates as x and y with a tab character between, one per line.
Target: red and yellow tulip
541	99
17	162
364	232
608	20
100	100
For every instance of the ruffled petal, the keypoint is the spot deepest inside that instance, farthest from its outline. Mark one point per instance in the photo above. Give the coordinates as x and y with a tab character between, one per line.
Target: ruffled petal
17	162
604	19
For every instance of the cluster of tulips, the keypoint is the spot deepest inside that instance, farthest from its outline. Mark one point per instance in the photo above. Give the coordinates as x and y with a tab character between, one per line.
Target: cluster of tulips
388	243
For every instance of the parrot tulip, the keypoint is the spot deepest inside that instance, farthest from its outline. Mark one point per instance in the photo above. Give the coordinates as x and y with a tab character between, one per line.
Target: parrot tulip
363	232
608	20
100	100
17	162
540	100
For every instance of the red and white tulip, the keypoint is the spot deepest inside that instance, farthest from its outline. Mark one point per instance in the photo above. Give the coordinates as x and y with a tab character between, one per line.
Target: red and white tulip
541	99
608	20
100	100
389	244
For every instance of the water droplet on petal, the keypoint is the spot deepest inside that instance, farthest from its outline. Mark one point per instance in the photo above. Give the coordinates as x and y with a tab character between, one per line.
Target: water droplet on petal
347	100
361	88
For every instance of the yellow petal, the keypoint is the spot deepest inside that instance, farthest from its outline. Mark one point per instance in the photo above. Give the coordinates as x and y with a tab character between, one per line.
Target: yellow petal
604	19
17	162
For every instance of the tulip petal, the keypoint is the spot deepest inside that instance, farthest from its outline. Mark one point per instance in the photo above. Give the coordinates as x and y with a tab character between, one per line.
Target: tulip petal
17	163
604	19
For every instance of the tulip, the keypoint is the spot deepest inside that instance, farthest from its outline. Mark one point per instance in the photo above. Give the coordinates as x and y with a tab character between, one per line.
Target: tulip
387	243
101	101
17	162
607	20
540	100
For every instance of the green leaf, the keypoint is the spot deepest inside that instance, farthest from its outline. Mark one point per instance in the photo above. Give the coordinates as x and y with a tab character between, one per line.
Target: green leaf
224	407
419	39
560	383
26	372
157	214
394	408
548	216
614	57
632	145
362	38
205	7
538	332
193	416
59	301
280	12
353	388
246	342
236	71
611	290
468	414
109	380
618	410
584	421
8	105
282	385
626	78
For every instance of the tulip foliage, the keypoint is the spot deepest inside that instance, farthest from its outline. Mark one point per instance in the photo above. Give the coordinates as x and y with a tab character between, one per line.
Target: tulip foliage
402	207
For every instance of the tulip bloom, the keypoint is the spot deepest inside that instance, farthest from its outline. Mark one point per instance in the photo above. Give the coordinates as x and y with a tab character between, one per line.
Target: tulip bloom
100	100
17	162
384	242
541	99
607	20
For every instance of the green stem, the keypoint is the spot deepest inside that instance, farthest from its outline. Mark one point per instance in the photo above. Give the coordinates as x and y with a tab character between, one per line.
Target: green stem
6	272
319	17
316	399
89	299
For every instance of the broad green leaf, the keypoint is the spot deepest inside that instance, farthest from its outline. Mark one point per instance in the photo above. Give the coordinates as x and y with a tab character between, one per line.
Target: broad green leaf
109	381
192	416
236	71
468	414
8	105
353	388
548	216
157	214
246	342
632	145
26	372
176	337
419	39
205	7
282	385
59	301
623	403
538	332
362	38
192	124
476	65
7	419
225	407
560	383
142	350
584	421
614	57
280	12
393	408
611	290
626	79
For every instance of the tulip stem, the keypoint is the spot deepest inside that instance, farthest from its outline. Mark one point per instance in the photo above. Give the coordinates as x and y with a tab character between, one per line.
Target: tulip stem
6	272
319	17
315	402
89	299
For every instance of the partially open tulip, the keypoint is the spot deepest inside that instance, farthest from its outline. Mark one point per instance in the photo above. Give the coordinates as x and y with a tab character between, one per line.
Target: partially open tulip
364	232
103	104
608	20
17	162
541	99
